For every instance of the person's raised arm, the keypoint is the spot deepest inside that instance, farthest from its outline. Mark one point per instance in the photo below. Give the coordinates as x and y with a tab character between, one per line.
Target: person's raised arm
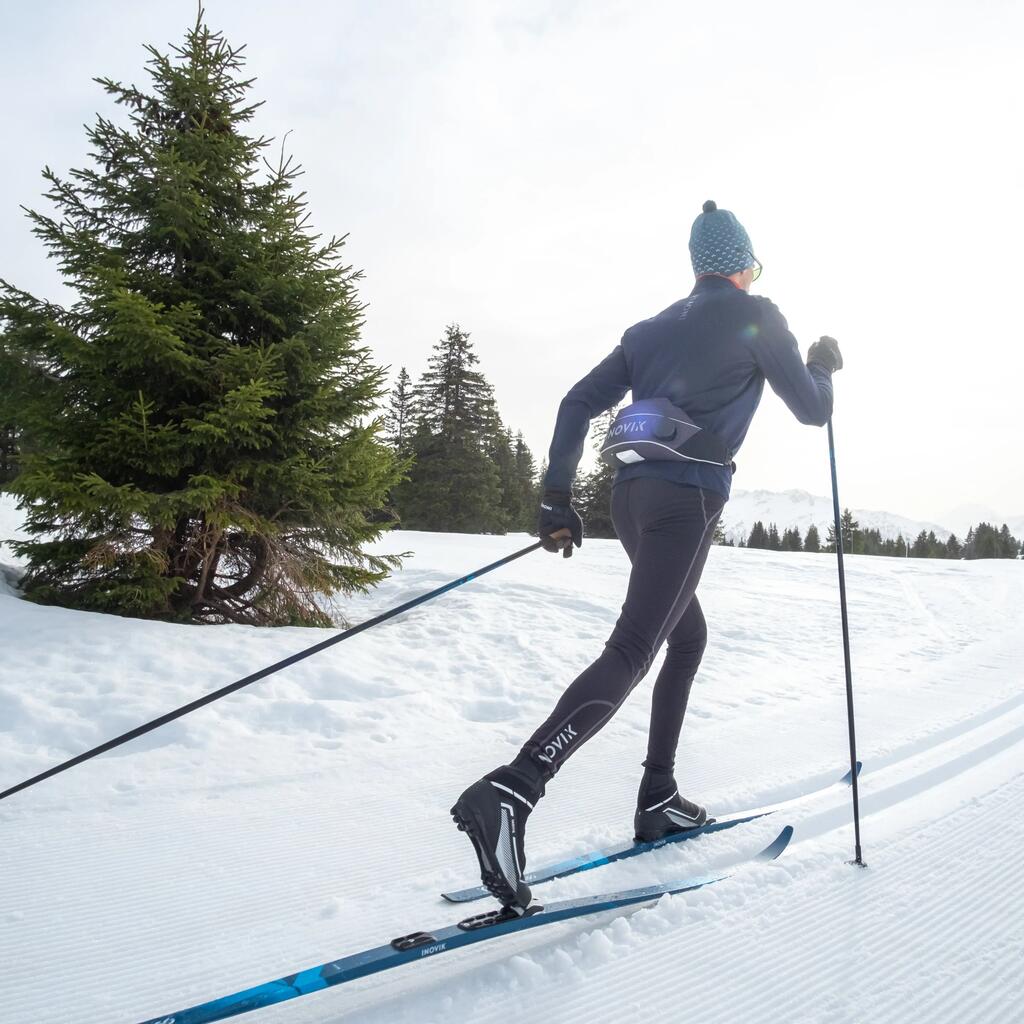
806	389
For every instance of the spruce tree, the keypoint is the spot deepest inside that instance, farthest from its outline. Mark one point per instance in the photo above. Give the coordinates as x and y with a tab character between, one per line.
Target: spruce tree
500	452
454	485
920	548
953	547
791	540
200	441
774	541
850	528
812	542
758	536
527	485
453	398
983	542
871	542
968	548
1009	546
398	420
593	492
8	454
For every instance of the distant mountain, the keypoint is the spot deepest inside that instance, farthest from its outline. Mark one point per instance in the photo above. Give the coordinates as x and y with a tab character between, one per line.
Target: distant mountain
800	509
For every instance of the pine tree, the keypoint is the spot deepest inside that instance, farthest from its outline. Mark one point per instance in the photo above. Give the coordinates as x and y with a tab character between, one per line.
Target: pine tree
774	541
454	399
850	528
1009	546
953	547
758	536
200	441
871	543
527	485
398	423
985	541
718	537
920	548
851	538
791	540
8	454
454	484
500	452
812	542
593	491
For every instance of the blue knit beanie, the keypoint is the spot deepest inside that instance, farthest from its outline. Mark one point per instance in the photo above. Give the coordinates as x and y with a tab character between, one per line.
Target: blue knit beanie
718	243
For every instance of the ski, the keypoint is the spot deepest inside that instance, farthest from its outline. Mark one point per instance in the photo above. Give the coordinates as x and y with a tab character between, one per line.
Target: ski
598	858
419	945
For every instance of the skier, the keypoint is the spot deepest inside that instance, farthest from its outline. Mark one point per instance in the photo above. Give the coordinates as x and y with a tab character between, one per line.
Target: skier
709	355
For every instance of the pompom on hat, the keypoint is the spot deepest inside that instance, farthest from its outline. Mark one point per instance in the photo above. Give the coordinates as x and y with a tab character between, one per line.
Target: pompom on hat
719	244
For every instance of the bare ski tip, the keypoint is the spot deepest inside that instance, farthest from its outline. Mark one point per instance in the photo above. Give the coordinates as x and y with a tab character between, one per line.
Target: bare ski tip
777	846
848	777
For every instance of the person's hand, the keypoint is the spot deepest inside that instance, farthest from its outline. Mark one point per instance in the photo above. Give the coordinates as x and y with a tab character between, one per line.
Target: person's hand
825	352
559	525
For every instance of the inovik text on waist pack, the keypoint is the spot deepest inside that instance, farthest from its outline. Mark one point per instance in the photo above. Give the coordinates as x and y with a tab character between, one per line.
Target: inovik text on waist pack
656	430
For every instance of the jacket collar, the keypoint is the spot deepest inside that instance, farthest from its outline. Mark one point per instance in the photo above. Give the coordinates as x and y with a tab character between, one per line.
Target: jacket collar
710	282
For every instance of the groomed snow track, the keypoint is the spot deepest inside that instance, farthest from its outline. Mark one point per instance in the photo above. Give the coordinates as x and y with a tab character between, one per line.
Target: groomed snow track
295	824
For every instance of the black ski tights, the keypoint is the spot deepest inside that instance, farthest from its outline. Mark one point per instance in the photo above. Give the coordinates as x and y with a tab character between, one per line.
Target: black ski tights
666	529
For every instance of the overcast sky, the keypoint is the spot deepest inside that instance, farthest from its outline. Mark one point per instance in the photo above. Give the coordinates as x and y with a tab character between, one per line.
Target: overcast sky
531	169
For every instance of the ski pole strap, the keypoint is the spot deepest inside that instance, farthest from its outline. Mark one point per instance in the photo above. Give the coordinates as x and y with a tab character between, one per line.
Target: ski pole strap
655	430
292	659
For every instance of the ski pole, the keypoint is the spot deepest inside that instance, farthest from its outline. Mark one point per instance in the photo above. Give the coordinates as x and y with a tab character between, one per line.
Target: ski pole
209	698
846	648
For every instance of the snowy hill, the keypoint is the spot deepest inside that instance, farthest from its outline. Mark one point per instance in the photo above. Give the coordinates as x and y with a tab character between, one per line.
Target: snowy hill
800	509
306	817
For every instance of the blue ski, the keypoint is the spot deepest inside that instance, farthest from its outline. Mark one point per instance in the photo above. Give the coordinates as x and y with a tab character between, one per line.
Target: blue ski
418	945
598	858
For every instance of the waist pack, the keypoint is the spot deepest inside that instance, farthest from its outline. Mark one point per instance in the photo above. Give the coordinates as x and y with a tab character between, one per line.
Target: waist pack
656	430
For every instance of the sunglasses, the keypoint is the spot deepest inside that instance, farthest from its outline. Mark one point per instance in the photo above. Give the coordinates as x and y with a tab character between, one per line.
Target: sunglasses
757	267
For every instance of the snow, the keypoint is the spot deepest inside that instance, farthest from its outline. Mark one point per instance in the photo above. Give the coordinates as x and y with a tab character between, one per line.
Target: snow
10	529
306	817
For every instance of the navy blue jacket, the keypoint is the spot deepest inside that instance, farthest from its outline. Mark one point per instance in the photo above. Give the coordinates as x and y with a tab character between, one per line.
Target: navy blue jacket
710	355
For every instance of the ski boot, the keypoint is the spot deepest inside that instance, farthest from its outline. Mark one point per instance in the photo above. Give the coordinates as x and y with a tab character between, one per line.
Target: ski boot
661	811
493	813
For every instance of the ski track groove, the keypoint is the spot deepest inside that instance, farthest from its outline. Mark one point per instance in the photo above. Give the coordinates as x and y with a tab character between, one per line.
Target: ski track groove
252	917
816	918
160	915
765	993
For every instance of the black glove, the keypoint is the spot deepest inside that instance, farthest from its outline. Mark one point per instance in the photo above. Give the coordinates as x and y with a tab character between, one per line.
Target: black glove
557	513
825	352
